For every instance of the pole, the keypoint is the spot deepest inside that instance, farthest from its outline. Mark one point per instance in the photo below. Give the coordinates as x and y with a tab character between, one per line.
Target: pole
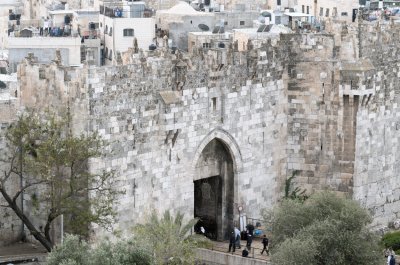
62	228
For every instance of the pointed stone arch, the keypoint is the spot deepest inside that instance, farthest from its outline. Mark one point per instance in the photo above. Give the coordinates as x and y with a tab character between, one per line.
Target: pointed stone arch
230	144
215	168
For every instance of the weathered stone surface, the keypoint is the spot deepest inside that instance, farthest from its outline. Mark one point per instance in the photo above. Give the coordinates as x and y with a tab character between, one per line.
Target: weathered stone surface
306	104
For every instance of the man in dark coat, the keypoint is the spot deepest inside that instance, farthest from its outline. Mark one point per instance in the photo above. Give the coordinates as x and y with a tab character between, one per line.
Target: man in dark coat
232	241
265	244
249	240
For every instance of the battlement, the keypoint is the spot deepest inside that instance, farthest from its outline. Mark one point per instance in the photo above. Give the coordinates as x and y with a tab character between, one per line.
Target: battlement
315	103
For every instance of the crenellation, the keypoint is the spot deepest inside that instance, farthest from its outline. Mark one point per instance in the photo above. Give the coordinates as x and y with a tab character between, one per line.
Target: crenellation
301	102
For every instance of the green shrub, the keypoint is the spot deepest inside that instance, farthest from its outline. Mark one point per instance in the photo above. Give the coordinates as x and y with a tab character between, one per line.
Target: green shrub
392	240
77	252
323	230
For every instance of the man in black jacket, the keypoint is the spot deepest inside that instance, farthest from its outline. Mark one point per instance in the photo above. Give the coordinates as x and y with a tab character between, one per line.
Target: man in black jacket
232	241
265	244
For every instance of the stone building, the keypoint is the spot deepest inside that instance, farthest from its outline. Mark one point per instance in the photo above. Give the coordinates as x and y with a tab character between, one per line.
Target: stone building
207	132
120	24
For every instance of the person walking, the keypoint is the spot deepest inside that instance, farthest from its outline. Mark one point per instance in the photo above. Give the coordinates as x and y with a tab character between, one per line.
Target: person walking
232	240
249	240
265	245
237	235
391	259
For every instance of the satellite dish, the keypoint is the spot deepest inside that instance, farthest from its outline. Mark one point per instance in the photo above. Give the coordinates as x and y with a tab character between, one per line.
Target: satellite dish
152	47
266	14
204	27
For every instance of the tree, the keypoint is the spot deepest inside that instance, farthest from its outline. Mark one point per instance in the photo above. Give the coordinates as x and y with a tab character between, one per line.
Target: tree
75	251
169	238
322	230
52	165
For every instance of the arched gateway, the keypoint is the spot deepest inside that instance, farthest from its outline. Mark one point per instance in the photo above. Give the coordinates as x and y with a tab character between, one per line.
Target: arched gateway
215	184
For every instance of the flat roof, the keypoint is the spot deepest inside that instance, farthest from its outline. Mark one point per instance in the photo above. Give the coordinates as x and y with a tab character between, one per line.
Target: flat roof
297	14
208	33
60	12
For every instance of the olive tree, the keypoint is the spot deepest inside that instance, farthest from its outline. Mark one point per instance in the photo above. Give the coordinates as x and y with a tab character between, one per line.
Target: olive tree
51	165
323	230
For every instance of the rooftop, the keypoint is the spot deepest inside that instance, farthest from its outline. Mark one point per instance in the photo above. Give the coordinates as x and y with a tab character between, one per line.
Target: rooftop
183	8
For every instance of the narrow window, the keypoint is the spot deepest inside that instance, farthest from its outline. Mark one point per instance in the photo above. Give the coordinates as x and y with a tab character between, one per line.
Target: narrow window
302	9
110	31
214	103
334	12
327	12
321	11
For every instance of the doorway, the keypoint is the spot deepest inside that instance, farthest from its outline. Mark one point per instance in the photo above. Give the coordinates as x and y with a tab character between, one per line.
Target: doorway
214	190
208	204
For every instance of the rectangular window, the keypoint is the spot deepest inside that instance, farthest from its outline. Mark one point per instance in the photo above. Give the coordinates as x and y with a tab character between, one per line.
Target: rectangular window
206	45
302	9
128	32
308	9
344	14
327	12
334	12
42	74
321	11
242	23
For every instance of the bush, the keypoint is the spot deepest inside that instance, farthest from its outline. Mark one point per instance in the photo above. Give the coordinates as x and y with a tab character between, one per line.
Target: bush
72	251
169	238
323	230
392	240
77	252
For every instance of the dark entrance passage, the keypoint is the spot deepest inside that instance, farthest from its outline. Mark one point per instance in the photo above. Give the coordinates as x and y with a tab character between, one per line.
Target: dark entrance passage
214	190
208	204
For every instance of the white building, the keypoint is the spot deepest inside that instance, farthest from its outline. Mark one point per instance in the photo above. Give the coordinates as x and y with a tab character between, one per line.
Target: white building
121	22
345	10
243	36
181	19
321	9
44	48
208	40
7	6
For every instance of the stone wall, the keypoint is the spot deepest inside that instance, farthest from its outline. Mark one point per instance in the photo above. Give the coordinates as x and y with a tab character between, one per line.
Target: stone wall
304	103
158	120
377	183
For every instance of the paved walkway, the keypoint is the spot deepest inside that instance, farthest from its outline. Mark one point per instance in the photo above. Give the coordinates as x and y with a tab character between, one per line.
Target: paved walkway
255	251
21	251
